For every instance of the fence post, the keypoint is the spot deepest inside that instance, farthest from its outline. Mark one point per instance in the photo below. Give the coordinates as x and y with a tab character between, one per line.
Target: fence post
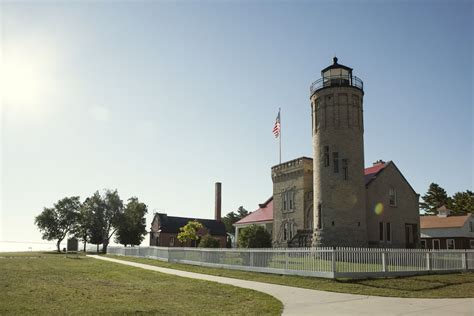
384	262
334	260
464	260
286	259
428	261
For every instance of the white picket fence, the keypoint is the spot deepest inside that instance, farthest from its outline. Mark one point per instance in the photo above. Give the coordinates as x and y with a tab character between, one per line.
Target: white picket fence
320	262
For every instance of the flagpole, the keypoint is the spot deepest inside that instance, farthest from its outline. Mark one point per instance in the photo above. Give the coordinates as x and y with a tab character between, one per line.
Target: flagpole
279	113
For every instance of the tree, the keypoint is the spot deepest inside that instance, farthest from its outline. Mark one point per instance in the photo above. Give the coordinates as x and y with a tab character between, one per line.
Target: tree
91	221
56	222
207	241
434	199
131	228
112	215
189	231
233	217
254	236
462	203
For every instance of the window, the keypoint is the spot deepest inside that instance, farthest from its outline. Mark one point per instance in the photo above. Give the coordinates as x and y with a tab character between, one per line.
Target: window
471	243
450	244
291	231
335	159
381	231
288	200
285	231
326	156
345	170
319	216
392	193
389	232
171	241
423	244
435	243
470	227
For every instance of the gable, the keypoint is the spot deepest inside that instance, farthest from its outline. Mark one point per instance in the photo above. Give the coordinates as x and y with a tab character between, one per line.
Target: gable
389	169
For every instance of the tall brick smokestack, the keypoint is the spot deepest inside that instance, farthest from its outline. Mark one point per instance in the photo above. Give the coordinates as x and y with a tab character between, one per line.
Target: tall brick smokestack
218	205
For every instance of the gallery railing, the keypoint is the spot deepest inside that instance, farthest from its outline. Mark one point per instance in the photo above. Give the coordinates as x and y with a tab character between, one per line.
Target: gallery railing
336	81
320	262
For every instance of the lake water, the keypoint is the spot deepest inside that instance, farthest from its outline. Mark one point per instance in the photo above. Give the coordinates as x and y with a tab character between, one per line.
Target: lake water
13	246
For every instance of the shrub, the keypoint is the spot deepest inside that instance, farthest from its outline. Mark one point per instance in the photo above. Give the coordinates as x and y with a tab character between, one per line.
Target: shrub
207	241
254	236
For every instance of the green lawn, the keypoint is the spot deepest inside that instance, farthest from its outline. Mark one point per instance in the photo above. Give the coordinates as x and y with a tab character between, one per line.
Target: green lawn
454	285
48	283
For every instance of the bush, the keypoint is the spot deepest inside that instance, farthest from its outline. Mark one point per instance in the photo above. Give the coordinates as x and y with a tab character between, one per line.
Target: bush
254	236
207	241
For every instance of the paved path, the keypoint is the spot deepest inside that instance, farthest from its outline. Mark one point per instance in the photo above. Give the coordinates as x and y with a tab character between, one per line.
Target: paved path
298	301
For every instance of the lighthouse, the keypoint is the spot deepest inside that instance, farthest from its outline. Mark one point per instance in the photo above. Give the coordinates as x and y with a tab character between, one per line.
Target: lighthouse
339	195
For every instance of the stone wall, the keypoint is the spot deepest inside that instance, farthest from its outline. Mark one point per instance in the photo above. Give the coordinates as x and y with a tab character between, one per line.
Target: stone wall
405	211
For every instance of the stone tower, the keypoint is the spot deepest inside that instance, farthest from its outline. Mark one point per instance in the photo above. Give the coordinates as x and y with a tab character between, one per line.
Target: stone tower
292	203
338	150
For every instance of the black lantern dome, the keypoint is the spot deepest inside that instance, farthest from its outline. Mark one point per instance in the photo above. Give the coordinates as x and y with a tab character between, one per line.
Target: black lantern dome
336	75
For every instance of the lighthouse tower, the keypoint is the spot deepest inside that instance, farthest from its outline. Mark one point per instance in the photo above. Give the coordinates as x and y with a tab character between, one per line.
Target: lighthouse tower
338	150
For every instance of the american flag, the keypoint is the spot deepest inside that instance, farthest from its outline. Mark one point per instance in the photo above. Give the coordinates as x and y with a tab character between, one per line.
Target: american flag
276	128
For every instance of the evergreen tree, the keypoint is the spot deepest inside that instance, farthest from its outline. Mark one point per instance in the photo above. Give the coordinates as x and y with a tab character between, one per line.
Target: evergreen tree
462	203
233	217
434	198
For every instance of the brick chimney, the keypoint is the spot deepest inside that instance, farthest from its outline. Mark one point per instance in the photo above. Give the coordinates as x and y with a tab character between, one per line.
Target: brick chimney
218	200
379	162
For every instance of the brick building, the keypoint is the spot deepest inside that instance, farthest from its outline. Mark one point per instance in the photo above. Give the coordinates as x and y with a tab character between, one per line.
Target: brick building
165	229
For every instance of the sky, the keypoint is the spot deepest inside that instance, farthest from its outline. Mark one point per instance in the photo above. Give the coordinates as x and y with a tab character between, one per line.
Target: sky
161	99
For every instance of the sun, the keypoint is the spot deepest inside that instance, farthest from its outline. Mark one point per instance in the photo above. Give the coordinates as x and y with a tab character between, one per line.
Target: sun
21	81
26	77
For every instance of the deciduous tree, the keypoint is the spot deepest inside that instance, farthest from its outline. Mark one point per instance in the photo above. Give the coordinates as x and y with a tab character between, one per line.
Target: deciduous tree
131	229
189	231
56	222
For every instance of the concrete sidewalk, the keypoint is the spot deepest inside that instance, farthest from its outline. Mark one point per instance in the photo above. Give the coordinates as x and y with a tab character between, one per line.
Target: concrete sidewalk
298	301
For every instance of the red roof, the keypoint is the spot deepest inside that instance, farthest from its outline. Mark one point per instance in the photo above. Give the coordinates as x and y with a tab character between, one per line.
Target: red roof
263	214
371	172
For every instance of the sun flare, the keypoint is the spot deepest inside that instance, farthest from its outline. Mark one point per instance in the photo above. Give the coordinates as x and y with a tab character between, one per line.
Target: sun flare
25	78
